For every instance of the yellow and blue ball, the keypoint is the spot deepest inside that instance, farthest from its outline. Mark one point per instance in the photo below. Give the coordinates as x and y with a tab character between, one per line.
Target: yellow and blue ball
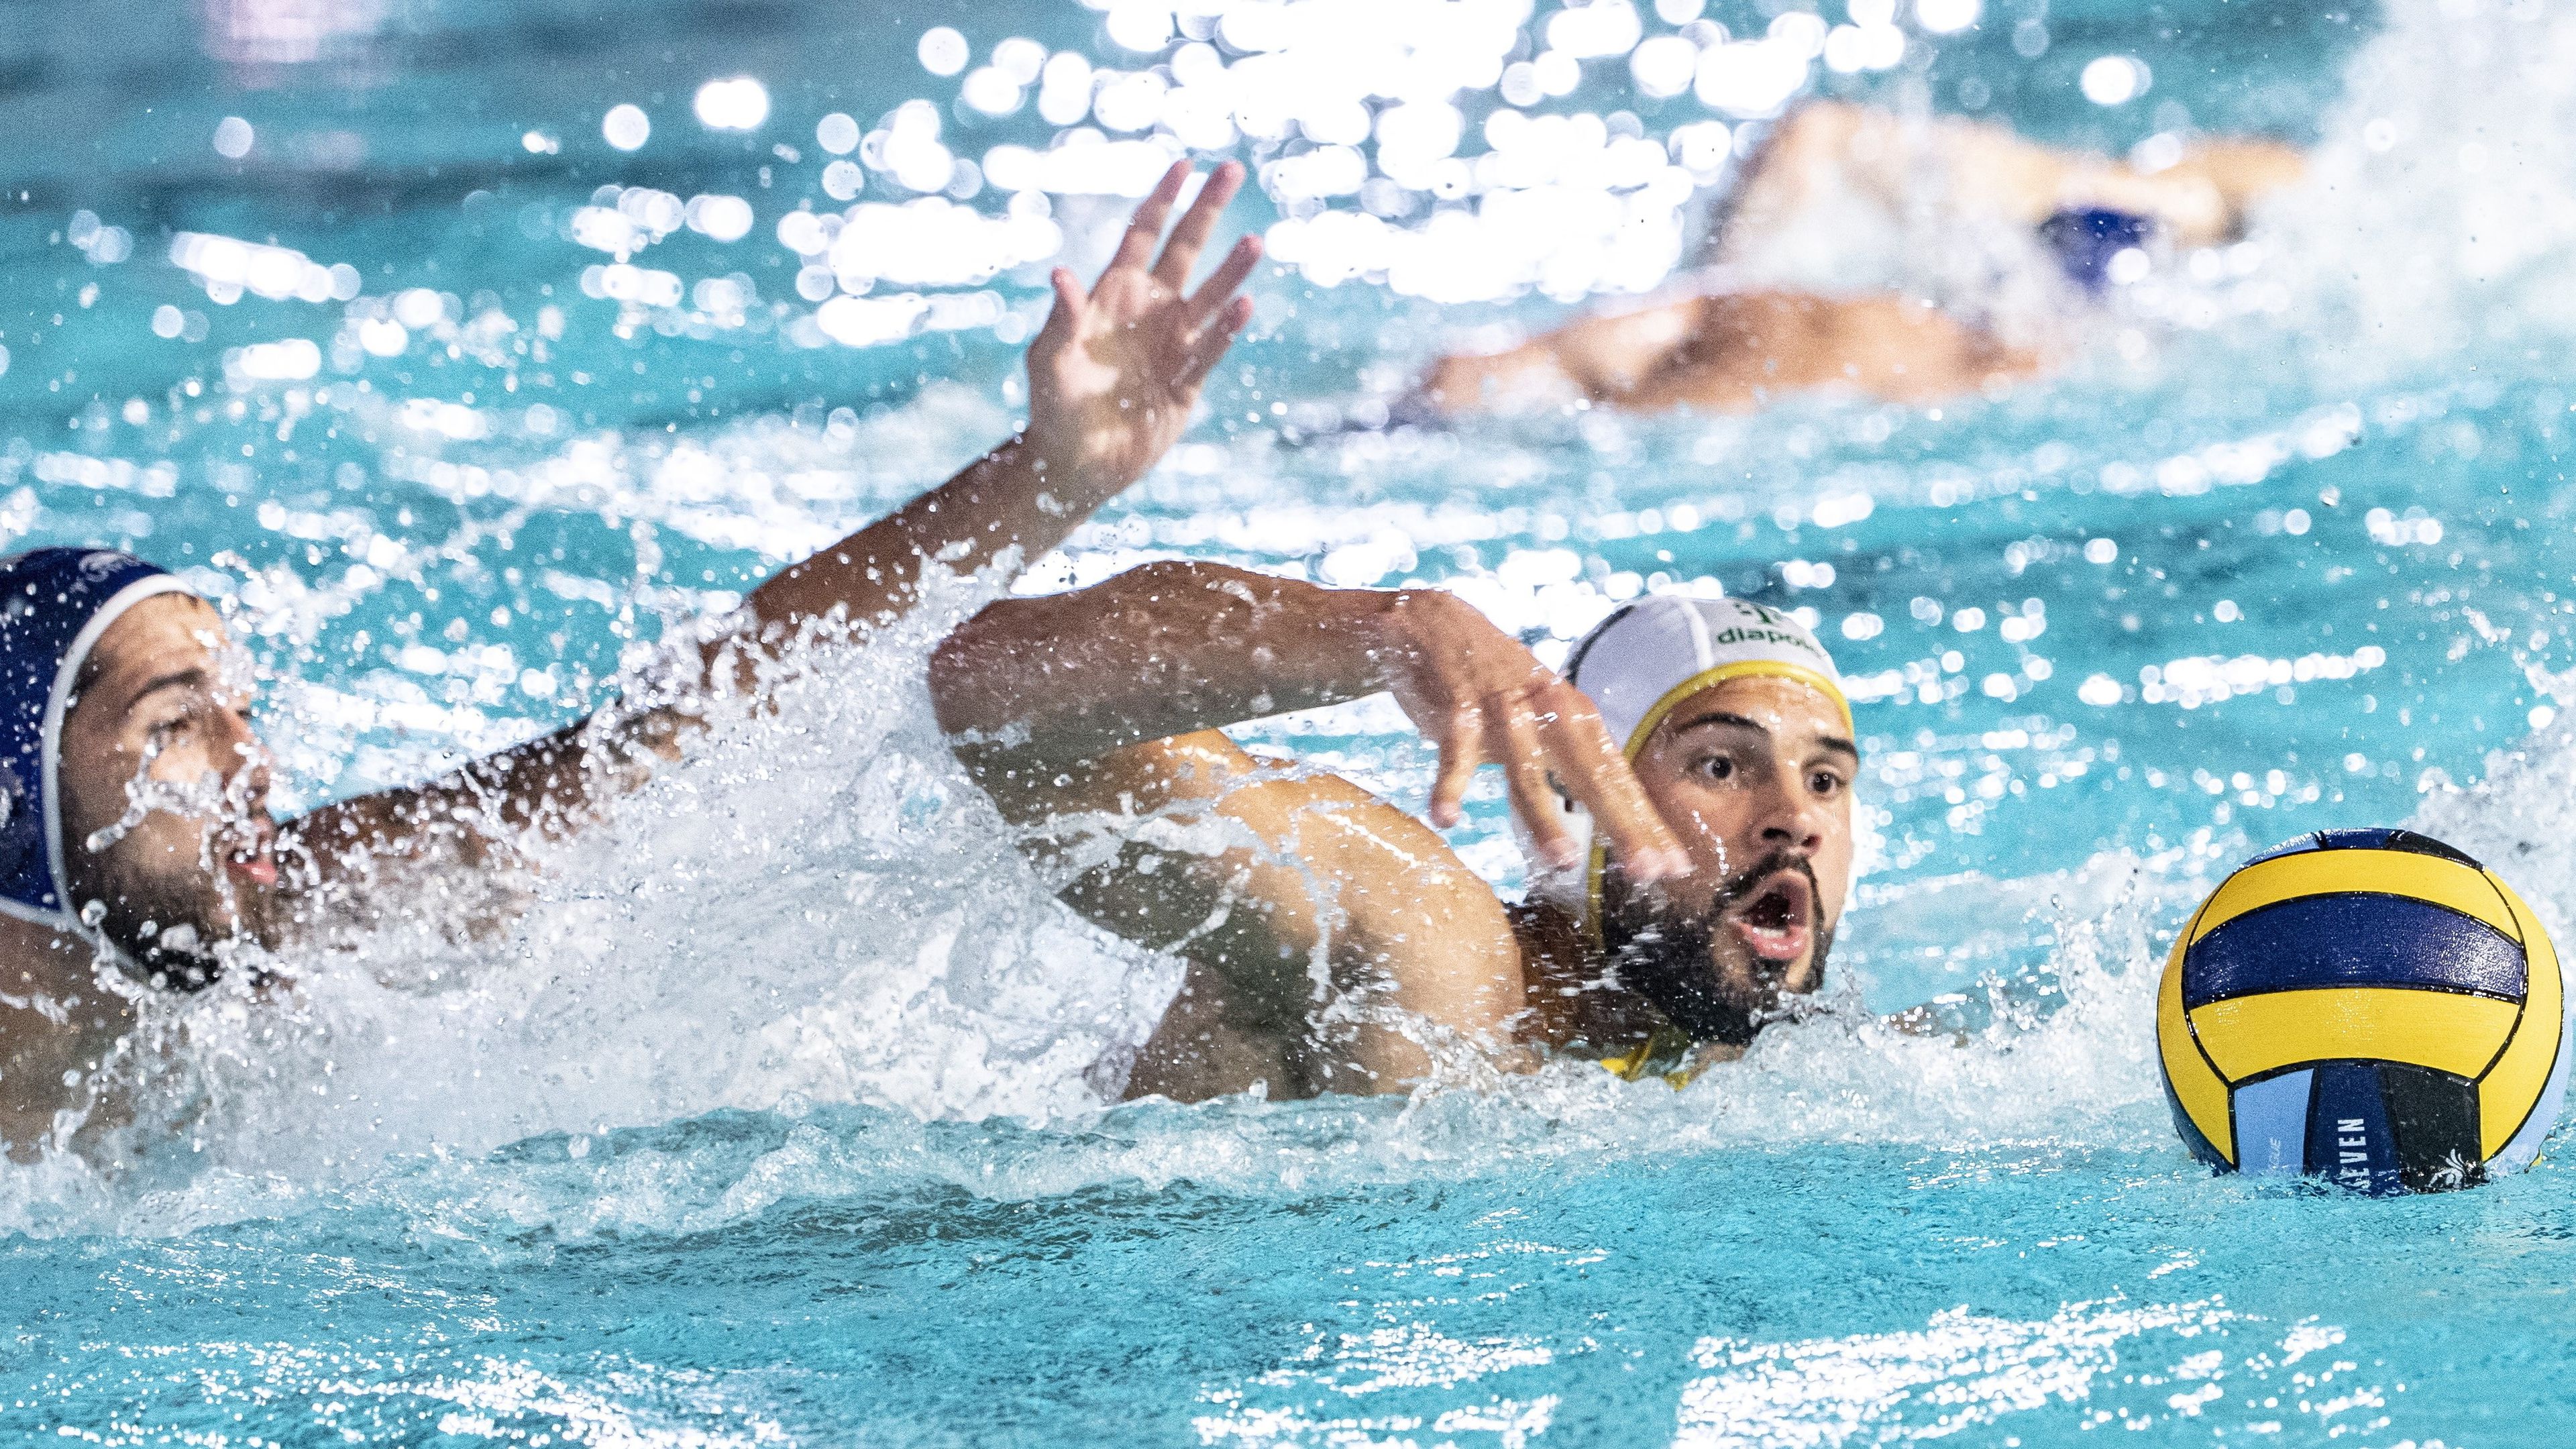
2368	1006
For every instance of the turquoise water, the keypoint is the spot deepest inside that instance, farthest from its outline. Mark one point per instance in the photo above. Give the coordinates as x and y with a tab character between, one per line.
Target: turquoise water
775	1118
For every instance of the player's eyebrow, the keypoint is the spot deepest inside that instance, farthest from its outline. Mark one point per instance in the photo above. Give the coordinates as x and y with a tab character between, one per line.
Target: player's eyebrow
192	677
1723	717
1835	744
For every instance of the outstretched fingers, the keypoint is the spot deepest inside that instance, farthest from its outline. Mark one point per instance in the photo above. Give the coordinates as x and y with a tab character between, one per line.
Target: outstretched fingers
1545	744
1462	750
1239	261
1145	228
1212	341
1592	768
1524	760
1198	223
1065	317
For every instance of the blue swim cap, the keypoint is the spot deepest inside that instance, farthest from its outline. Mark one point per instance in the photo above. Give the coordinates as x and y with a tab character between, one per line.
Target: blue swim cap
54	605
2085	239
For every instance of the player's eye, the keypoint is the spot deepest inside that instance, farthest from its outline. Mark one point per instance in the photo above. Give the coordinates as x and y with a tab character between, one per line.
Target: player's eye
172	726
1717	767
1824	782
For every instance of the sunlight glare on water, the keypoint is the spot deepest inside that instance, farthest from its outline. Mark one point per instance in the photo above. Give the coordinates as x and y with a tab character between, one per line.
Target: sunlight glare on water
461	353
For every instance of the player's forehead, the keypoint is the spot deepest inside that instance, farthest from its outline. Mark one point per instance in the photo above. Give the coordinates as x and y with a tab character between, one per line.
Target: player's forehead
1788	713
159	635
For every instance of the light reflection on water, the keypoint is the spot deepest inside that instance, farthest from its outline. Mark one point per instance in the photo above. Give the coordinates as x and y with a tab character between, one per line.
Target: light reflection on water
1957	1372
773	1125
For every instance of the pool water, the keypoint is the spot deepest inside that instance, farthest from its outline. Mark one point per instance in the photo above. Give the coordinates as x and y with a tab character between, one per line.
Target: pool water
776	1115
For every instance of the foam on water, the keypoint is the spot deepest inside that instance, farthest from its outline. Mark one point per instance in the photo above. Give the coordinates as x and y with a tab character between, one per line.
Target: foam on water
2439	217
795	1041
883	945
858	886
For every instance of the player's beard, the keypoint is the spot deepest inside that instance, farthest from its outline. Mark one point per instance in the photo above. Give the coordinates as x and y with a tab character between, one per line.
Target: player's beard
174	922
1666	952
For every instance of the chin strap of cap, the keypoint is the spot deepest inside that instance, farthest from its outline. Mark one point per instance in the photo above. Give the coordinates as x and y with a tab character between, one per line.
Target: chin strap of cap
1667	1052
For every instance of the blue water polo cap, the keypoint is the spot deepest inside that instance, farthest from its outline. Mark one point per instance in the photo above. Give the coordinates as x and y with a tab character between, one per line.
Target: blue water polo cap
55	603
2085	239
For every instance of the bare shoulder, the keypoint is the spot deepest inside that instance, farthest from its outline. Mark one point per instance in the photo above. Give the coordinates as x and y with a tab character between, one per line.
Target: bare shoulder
59	1025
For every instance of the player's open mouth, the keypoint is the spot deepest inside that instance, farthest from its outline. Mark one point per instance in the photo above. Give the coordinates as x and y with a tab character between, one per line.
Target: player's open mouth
1779	917
254	860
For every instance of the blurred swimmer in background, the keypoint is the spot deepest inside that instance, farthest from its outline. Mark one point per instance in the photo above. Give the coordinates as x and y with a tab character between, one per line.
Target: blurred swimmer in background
1830	172
136	848
1684	793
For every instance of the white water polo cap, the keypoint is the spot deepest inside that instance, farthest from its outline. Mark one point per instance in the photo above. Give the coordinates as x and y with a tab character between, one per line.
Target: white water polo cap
1648	657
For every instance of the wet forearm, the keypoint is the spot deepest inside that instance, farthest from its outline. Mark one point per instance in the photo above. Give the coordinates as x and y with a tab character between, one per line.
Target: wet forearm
546	788
1017	496
1160	650
1014	496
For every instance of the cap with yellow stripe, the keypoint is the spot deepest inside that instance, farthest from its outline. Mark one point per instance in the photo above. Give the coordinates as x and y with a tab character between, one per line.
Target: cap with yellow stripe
1639	664
2367	1005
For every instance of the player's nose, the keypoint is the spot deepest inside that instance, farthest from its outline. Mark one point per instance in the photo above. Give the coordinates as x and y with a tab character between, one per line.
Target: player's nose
1788	817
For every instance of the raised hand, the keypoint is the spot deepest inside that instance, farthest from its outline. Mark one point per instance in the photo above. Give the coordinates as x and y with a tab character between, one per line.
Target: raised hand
1484	699
1115	371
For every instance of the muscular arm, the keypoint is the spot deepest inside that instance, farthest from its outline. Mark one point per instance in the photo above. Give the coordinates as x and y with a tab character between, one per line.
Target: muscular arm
1334	943
1735	352
1113	377
1170	648
1165	649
